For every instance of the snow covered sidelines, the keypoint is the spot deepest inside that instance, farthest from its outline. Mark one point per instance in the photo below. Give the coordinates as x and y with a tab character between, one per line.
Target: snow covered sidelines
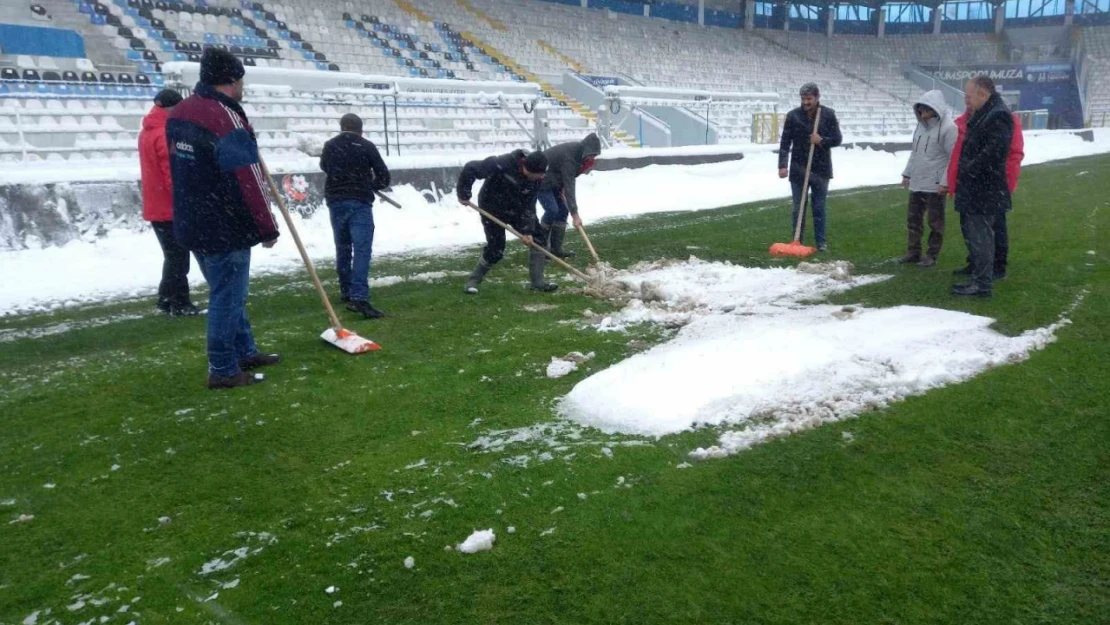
128	264
750	354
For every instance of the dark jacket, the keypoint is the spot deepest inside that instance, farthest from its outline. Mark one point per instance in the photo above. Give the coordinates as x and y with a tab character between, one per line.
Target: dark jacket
565	162
354	168
981	186
506	193
794	143
219	195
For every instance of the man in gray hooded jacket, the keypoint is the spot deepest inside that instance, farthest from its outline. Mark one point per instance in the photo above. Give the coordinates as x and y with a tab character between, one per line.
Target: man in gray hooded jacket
926	176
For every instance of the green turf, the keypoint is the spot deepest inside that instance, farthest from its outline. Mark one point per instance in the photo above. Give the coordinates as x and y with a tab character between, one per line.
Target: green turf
986	502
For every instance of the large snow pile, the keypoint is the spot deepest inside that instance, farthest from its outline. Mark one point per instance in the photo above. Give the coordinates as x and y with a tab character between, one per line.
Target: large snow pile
750	354
125	263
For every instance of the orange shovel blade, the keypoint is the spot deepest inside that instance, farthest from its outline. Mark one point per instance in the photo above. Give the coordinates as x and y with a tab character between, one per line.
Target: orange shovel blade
794	249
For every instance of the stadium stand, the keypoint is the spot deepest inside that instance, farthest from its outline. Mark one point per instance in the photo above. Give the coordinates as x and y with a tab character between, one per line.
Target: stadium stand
1096	44
76	76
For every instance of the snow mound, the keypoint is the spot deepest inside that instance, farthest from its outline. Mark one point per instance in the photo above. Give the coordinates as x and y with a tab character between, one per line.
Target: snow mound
480	540
750	355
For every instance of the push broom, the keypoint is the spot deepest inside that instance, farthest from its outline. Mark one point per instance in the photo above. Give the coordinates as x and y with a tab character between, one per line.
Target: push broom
336	335
795	248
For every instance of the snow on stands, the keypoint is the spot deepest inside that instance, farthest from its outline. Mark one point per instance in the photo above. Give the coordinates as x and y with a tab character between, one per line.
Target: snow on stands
125	263
750	354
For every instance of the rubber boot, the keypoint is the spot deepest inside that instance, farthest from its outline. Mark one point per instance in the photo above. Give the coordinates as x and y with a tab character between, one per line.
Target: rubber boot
536	262
558	233
476	277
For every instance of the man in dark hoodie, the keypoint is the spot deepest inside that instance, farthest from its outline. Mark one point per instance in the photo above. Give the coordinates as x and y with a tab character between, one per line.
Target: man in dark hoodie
355	170
508	193
982	191
221	210
798	133
559	198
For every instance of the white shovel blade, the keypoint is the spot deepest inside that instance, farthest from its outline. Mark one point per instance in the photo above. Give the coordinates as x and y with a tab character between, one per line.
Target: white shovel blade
349	341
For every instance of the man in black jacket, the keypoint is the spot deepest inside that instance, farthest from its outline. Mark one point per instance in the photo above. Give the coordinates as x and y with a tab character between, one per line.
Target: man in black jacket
559	197
982	192
798	134
355	170
509	193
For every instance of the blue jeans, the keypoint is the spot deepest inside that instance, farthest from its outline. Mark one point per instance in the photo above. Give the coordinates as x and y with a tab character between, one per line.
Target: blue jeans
554	208
819	193
229	333
352	224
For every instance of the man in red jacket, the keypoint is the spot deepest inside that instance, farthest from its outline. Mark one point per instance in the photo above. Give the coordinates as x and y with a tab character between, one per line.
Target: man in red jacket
1013	172
154	164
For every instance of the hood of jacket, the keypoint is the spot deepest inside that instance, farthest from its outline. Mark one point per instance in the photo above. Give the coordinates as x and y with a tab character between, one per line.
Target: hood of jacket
156	119
933	142
935	100
590	146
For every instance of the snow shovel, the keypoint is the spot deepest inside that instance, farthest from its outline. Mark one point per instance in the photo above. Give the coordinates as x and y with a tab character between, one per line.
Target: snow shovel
518	235
795	248
336	335
388	200
590	246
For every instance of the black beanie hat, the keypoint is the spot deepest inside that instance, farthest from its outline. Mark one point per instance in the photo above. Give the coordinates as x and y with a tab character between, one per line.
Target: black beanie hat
167	98
536	162
220	67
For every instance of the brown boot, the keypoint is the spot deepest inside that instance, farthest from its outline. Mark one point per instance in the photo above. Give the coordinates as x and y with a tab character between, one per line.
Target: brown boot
259	360
242	378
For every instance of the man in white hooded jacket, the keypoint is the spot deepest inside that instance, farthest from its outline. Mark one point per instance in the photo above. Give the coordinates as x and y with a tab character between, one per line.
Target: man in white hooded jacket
926	176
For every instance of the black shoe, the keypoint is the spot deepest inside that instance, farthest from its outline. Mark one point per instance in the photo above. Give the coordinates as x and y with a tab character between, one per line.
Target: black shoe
344	298
908	260
545	287
999	274
184	310
928	261
564	254
164	306
365	309
966	271
968	289
239	379
259	360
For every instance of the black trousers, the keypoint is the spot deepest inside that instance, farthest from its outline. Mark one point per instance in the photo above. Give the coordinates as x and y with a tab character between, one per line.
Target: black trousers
978	231
1001	244
174	288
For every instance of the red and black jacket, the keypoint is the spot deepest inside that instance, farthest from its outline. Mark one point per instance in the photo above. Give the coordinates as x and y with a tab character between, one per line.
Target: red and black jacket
219	195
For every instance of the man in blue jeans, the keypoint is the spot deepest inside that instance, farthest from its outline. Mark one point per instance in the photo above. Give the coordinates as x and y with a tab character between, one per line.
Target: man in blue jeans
798	133
221	210
355	170
559	196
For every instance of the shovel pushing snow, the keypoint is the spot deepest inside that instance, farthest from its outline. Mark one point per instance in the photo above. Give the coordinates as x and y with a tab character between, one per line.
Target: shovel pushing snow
520	236
336	335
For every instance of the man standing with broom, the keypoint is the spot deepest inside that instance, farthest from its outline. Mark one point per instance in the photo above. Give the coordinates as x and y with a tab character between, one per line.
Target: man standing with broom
798	134
509	193
355	170
221	210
